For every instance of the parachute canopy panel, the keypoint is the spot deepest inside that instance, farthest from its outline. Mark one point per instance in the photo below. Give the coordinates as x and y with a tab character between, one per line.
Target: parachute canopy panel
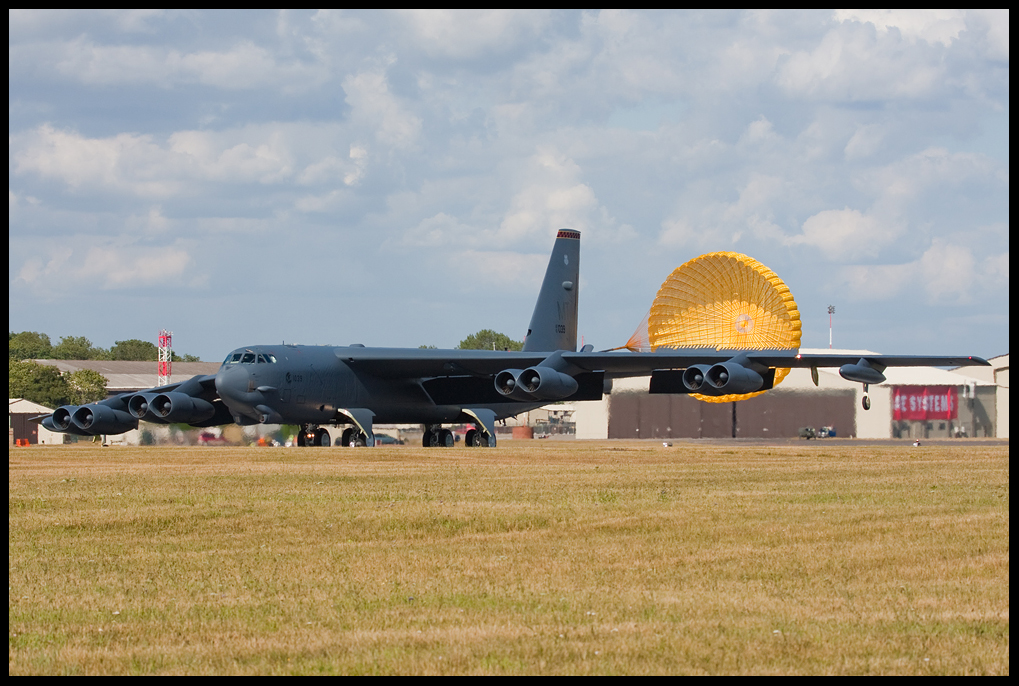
722	300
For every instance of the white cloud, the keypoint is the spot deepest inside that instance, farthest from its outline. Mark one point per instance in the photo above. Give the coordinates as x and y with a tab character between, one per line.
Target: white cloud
866	141
946	274
994	24
752	214
125	161
909	177
267	161
187	160
759	131
552	198
466	33
853	63
932	25
843	235
108	266
500	269
245	65
375	107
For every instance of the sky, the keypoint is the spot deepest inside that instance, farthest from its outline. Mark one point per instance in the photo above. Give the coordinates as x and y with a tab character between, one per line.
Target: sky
397	178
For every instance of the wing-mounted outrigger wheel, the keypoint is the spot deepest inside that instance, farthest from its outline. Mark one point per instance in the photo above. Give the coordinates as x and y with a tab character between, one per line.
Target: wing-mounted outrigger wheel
484	435
722	301
362	419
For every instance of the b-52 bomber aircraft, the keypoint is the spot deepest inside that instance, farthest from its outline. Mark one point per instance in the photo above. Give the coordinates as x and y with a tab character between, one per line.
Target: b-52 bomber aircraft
356	386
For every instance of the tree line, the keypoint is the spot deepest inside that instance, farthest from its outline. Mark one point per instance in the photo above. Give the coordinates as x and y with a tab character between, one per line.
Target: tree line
32	345
44	384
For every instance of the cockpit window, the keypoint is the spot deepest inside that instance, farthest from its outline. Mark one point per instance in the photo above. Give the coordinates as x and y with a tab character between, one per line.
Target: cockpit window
250	358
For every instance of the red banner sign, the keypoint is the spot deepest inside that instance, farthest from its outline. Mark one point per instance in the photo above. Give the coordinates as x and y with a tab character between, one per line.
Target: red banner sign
922	403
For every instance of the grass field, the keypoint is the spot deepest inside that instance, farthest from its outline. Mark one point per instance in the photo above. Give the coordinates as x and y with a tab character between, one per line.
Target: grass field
533	558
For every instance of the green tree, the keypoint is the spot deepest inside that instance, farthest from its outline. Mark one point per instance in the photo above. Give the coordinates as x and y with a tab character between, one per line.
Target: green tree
486	339
134	349
86	386
29	345
40	383
77	348
174	357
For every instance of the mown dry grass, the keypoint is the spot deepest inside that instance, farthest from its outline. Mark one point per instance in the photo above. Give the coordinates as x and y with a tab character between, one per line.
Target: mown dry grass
573	558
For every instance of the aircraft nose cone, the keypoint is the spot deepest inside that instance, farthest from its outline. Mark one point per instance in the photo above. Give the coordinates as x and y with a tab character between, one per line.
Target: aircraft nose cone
232	384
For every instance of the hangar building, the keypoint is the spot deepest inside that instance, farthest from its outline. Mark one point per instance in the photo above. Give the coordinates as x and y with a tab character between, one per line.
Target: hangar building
917	402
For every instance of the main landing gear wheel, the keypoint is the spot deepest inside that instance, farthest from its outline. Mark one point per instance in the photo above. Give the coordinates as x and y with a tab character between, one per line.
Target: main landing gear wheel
476	439
438	438
353	438
321	438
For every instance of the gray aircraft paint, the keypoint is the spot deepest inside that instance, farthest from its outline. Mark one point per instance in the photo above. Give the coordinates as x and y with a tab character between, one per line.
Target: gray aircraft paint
554	322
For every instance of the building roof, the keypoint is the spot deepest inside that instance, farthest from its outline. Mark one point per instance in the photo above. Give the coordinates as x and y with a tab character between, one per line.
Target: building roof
22	406
124	376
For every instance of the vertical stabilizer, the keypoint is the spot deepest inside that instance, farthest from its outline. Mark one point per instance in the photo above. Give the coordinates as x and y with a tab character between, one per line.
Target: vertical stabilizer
554	322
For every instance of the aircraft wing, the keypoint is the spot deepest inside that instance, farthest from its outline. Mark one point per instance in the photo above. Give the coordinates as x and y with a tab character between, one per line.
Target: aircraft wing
193	401
636	363
403	363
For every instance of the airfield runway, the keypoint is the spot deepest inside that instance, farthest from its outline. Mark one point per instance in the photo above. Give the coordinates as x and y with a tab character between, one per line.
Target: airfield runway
538	557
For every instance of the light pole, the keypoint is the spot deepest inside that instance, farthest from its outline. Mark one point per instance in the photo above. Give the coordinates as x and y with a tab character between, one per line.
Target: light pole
831	311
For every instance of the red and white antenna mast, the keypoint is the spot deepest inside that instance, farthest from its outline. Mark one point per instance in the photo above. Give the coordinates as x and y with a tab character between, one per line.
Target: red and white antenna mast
165	353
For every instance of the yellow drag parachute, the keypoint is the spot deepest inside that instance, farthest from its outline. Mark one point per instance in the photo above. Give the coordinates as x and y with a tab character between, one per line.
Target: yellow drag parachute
721	300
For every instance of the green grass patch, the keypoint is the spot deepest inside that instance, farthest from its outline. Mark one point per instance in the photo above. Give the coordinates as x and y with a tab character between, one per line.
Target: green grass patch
533	558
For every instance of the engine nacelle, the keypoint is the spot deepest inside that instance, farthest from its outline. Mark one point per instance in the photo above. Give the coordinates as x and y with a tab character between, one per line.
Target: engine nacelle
694	377
180	407
732	378
863	372
507	383
101	419
545	383
61	418
138	406
60	421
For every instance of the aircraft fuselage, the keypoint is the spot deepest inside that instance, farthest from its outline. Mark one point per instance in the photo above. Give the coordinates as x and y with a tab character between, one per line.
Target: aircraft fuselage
296	384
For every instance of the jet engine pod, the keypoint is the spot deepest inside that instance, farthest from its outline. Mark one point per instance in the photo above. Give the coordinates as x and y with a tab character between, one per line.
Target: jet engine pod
693	377
138	405
507	382
70	428
180	407
545	383
732	378
61	418
862	372
102	419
